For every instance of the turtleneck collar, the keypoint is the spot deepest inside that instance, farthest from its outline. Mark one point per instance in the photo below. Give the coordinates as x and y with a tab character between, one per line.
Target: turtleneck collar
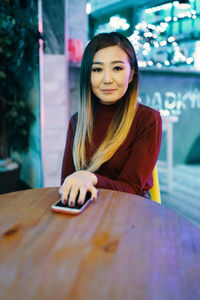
108	107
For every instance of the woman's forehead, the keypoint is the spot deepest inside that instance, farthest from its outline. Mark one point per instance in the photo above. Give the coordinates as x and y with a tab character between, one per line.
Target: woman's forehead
111	53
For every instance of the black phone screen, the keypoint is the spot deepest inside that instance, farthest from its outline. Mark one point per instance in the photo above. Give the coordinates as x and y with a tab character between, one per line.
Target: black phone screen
77	206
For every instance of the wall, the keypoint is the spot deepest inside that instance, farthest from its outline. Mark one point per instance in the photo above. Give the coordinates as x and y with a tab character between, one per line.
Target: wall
78	20
179	93
77	30
60	23
54	116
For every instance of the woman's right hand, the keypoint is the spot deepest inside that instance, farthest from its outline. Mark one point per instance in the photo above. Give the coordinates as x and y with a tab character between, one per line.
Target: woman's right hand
78	182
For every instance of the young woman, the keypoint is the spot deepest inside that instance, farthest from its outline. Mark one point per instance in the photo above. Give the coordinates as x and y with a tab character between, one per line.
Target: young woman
113	141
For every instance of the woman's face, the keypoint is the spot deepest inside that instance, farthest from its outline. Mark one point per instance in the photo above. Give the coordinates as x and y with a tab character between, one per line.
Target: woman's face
110	74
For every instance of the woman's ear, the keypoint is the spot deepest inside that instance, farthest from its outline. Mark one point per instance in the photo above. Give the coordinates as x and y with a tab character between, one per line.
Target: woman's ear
131	75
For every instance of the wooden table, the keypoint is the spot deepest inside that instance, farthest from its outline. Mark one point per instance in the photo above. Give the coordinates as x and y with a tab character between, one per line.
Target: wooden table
122	247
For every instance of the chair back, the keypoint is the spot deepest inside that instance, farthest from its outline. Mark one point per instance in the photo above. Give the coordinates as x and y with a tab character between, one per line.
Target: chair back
155	190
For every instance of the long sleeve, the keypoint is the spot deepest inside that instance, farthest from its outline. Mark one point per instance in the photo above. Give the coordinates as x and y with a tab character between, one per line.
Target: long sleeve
68	164
136	174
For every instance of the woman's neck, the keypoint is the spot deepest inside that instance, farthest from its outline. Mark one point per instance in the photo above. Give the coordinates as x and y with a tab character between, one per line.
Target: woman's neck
108	107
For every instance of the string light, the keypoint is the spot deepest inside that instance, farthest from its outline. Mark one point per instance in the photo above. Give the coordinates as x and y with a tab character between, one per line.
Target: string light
88	8
163	43
171	39
145	52
150	63
151	39
182	4
159	65
189	60
168	19
147	46
115	23
150	26
119	23
158	8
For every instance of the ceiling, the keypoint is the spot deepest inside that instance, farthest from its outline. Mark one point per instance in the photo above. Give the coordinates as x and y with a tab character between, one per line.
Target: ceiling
99	6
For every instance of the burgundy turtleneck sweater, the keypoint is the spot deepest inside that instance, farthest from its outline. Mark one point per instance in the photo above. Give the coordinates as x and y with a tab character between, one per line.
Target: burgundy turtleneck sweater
130	168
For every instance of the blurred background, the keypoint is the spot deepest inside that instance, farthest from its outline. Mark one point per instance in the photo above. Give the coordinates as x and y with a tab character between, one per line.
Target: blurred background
41	46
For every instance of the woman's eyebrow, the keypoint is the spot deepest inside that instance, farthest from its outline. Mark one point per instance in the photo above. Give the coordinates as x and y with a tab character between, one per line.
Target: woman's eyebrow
112	62
97	63
117	62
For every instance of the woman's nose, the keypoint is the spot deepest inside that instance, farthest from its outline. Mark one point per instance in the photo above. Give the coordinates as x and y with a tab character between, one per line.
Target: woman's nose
107	77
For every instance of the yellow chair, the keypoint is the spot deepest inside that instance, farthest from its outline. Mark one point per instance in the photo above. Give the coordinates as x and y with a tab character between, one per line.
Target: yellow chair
155	190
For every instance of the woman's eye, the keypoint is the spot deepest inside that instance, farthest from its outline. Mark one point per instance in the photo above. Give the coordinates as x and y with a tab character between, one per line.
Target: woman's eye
96	69
117	68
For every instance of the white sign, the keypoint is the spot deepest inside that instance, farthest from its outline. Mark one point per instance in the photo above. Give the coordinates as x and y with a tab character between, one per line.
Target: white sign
173	102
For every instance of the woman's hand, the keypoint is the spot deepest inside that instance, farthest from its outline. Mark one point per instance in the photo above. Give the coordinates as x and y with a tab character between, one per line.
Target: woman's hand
80	181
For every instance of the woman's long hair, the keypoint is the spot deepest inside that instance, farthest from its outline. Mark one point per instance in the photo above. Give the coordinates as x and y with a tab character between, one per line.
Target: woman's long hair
121	123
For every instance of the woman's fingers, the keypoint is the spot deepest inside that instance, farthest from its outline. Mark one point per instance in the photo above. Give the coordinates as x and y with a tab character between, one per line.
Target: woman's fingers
60	189
94	193
77	183
82	194
65	190
73	194
81	191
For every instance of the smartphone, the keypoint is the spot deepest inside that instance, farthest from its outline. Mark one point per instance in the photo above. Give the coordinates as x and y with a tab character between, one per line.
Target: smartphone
75	210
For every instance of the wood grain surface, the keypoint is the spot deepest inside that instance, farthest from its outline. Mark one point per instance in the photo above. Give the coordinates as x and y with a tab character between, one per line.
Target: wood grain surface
122	247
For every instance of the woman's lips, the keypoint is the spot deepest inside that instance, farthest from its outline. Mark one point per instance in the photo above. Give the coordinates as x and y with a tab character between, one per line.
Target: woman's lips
108	91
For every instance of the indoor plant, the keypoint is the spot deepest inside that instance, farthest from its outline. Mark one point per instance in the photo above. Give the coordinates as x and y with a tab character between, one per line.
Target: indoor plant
19	52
